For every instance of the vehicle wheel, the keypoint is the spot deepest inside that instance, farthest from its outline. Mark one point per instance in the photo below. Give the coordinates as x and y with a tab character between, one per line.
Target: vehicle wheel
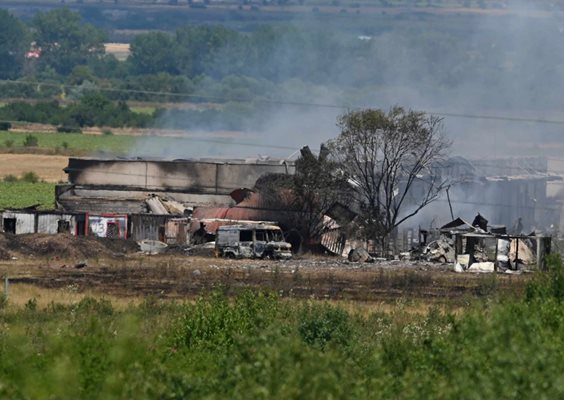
443	259
229	255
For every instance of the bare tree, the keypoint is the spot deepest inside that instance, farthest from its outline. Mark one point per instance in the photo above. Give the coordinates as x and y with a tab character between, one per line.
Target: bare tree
387	158
307	195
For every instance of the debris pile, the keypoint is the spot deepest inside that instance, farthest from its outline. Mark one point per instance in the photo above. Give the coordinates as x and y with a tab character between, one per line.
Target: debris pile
62	246
360	255
441	250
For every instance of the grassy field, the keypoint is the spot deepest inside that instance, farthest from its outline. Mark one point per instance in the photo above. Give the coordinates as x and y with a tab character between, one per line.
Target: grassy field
143	109
67	142
25	194
257	345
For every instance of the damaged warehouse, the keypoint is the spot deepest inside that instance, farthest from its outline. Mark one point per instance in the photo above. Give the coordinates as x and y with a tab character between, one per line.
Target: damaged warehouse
480	247
170	229
186	201
208	193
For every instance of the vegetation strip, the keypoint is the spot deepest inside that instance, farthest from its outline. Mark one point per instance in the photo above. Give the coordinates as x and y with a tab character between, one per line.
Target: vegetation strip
258	346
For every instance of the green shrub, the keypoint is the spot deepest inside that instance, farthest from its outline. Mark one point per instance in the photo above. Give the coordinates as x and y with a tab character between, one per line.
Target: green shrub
91	305
10	178
5	126
31	141
69	129
30	177
3	301
107	132
320	325
549	284
213	322
8	143
31	305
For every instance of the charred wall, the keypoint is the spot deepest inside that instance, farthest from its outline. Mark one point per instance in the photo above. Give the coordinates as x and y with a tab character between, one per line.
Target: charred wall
193	176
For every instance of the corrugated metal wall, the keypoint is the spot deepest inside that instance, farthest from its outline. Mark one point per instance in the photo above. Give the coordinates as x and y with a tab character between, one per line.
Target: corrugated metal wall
165	228
148	227
49	223
25	222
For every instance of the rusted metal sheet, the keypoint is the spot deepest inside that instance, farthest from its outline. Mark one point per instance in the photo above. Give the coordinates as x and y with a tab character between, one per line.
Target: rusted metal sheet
334	241
176	231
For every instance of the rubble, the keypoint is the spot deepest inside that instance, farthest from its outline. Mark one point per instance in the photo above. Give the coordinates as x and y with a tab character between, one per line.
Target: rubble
359	255
152	247
486	266
64	246
441	250
520	254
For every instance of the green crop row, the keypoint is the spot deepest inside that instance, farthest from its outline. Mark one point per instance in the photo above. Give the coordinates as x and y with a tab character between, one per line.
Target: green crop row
25	194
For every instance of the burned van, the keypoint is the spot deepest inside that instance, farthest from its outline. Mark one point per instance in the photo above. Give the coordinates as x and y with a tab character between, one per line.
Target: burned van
252	241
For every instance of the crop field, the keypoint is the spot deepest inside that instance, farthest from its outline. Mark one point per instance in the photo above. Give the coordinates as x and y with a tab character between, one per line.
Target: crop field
258	344
48	168
26	194
67	143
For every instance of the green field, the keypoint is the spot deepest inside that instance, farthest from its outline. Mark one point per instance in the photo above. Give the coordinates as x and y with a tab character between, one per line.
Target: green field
25	194
258	346
149	110
69	142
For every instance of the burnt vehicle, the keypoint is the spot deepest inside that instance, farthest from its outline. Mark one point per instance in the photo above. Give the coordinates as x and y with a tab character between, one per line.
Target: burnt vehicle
252	241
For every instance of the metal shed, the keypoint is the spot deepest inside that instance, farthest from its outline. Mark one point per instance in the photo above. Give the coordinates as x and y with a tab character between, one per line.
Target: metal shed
170	229
20	222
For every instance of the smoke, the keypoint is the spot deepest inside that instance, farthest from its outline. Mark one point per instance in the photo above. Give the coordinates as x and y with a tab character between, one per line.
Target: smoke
508	65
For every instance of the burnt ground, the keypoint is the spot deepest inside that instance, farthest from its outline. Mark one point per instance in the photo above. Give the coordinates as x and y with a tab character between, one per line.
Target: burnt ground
184	277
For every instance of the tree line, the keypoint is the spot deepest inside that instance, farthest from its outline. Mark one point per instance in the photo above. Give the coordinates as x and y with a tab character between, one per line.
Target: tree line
276	61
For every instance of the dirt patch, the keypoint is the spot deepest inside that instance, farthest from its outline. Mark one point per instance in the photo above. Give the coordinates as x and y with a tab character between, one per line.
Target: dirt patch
64	246
4	253
119	50
183	277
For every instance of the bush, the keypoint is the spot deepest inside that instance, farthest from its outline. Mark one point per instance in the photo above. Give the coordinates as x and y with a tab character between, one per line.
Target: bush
8	143
107	132
5	126
101	307
550	284
69	129
31	305
3	301
30	177
31	141
10	178
320	325
213	322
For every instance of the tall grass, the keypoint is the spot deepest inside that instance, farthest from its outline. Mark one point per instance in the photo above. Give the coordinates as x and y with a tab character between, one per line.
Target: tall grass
257	345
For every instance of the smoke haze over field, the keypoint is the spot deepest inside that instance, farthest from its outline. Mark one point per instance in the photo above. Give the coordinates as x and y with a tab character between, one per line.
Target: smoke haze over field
511	66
